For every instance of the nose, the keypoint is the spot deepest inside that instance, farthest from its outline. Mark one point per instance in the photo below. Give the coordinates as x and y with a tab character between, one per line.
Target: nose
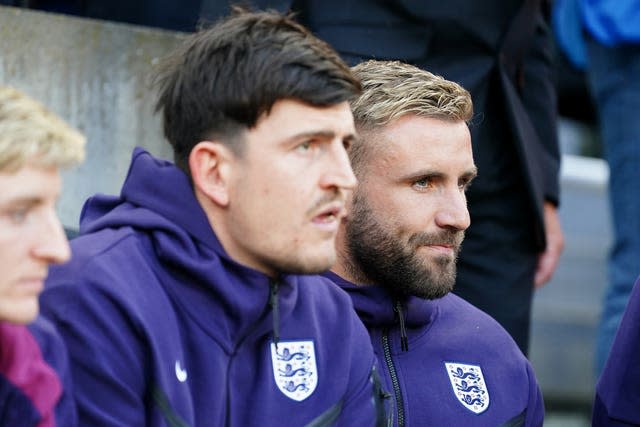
52	245
453	212
339	173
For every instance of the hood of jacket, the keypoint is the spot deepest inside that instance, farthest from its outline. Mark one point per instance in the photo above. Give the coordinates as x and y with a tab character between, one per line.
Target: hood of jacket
157	200
378	308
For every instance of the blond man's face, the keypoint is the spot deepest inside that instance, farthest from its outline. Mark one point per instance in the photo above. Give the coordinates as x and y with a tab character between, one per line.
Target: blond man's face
31	238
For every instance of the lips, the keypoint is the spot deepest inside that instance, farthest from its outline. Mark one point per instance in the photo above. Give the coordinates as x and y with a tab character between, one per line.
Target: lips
444	240
442	248
31	285
330	214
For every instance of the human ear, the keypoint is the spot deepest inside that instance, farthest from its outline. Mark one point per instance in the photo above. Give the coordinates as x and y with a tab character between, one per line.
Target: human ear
209	163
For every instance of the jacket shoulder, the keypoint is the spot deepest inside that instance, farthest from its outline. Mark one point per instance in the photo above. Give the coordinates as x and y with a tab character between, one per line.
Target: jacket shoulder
478	328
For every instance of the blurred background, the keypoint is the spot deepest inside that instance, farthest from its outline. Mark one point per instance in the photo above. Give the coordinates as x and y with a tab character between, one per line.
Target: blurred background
91	63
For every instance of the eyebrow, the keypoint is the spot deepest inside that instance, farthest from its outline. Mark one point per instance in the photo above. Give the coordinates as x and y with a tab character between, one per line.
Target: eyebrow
429	173
421	174
20	201
471	173
322	134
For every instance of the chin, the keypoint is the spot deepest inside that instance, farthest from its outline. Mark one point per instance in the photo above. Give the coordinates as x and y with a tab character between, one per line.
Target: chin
23	314
311	265
21	318
319	267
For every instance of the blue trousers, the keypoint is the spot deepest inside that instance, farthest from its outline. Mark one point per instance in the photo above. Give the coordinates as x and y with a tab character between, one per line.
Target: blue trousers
614	80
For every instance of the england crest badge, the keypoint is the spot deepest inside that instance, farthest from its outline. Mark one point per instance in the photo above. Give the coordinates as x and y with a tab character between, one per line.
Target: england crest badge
294	368
469	386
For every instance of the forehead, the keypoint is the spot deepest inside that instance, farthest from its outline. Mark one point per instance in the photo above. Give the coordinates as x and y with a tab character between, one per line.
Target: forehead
29	182
414	142
289	118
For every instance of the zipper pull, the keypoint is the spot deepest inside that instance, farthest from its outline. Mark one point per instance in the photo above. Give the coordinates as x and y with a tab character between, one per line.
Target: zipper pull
273	302
404	340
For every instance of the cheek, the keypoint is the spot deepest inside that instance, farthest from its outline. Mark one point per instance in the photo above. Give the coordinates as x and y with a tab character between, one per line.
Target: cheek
10	255
5	286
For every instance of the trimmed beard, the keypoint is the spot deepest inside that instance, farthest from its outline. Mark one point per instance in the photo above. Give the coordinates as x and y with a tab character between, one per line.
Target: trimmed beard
379	255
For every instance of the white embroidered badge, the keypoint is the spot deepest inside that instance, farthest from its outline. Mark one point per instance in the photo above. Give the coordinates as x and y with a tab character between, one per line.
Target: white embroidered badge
294	368
469	386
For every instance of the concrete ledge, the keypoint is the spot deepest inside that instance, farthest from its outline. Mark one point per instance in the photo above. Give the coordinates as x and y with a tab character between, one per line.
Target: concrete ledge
584	171
95	74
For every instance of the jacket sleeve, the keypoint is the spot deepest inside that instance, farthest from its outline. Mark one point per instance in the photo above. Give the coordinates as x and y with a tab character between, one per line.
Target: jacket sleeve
535	406
539	97
617	397
106	359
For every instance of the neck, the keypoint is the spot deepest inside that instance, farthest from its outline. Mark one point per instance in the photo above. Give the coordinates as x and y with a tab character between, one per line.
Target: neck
347	269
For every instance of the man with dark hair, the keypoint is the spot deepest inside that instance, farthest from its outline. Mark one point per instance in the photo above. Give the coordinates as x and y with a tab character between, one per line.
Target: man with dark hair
447	363
188	301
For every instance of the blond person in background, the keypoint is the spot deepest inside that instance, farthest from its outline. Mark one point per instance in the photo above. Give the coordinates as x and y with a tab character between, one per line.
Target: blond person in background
34	145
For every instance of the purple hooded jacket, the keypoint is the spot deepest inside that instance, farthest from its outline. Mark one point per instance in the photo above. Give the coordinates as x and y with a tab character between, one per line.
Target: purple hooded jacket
617	401
446	362
164	329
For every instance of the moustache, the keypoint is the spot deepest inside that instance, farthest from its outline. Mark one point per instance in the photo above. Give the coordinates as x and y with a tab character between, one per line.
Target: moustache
443	238
337	195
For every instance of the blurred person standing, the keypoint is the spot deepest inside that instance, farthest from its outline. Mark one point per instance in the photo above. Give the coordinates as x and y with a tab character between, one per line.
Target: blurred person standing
612	28
499	50
34	374
602	37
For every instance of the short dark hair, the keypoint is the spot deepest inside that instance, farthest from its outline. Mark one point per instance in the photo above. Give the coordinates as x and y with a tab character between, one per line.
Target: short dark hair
223	78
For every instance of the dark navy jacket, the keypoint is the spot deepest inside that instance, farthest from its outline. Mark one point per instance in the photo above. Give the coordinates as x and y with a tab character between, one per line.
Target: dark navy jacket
459	366
164	329
35	387
617	401
505	62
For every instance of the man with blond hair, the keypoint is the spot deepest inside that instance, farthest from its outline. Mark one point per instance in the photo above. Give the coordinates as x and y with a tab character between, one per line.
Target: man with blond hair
34	145
445	362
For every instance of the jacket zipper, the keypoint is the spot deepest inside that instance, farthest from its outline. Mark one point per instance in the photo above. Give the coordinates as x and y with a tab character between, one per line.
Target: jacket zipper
272	306
394	377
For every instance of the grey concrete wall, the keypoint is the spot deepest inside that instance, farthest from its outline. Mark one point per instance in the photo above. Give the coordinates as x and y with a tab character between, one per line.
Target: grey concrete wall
96	75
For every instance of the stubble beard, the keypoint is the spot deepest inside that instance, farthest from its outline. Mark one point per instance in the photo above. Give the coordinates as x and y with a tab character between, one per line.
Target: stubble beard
304	266
300	262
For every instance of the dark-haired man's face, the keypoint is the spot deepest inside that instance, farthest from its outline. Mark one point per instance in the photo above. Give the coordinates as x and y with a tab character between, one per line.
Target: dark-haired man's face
288	189
409	212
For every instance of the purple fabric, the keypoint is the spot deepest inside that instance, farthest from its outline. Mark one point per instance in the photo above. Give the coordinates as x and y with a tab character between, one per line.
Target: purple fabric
617	398
31	389
163	328
440	331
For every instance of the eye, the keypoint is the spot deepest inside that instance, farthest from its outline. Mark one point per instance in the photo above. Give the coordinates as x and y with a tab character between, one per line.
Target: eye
422	183
346	143
19	215
305	146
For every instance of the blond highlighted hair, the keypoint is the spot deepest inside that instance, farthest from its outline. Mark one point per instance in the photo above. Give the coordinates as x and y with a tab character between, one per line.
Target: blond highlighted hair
392	89
31	134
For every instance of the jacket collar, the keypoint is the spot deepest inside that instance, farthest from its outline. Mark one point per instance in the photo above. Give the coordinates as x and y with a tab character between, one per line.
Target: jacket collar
376	306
